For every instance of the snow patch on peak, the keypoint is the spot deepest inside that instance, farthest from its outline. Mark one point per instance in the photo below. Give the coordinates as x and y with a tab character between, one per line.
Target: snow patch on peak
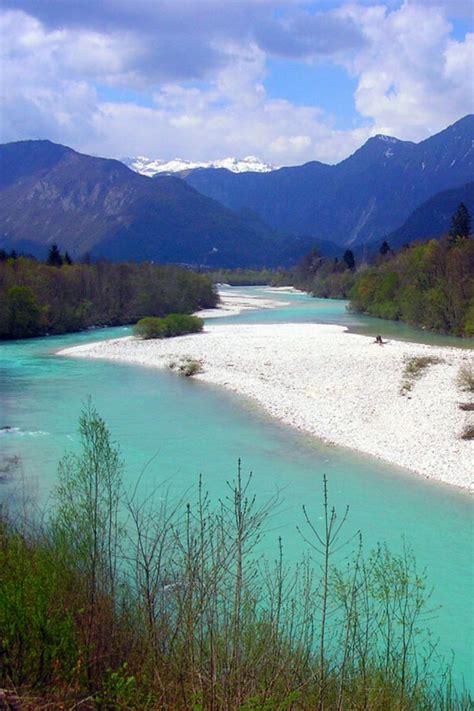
150	167
386	139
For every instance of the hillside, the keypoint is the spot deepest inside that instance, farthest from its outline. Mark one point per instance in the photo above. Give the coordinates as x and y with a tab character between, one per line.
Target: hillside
433	217
359	200
50	193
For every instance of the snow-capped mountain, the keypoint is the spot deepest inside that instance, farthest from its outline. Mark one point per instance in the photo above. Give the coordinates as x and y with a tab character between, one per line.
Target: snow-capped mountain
149	167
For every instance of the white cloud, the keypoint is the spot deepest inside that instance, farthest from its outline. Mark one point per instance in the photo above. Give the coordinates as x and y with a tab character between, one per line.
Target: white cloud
412	77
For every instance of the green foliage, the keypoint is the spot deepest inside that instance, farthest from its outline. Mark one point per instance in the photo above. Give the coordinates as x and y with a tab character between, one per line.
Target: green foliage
150	327
37	636
469	319
119	690
324	277
22	317
36	299
169	326
460	224
180	324
429	285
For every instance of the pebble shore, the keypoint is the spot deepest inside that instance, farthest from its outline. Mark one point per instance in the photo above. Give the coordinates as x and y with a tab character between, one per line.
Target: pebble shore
340	387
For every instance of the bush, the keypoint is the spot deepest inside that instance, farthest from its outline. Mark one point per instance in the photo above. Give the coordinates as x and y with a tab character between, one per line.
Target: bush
190	368
150	327
465	378
180	324
171	325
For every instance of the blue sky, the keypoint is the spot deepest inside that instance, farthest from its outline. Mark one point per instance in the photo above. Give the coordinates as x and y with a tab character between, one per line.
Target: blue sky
286	80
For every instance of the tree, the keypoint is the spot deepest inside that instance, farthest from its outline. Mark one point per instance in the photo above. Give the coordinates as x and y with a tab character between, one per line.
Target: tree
311	262
349	259
384	248
86	525
54	257
23	313
67	258
460	223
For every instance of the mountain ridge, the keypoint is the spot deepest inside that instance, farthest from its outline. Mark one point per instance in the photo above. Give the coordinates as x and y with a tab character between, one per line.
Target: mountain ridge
51	193
359	200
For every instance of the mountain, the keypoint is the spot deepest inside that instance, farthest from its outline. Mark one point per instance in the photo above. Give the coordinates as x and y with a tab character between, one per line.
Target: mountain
150	167
433	217
50	193
359	200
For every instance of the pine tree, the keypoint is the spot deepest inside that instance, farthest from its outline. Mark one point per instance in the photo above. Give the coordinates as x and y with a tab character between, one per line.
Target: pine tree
349	259
54	257
67	258
384	248
460	223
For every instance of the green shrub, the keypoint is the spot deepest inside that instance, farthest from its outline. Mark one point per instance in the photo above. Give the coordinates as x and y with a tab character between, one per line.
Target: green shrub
171	325
180	324
150	327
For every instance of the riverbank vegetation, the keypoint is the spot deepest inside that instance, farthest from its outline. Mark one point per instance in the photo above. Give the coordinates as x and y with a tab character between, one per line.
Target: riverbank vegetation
112	602
168	326
429	285
58	297
247	277
325	277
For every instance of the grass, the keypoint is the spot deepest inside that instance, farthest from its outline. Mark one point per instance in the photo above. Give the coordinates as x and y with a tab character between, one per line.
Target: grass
415	368
465	379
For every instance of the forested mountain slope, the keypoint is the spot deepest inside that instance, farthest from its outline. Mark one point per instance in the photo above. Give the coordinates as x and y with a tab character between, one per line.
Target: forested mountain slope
50	193
359	200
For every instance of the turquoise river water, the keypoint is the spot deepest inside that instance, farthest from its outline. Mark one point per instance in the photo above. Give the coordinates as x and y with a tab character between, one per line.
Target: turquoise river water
186	428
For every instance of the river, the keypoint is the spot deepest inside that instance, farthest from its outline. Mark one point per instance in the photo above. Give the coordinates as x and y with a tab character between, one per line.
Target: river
171	429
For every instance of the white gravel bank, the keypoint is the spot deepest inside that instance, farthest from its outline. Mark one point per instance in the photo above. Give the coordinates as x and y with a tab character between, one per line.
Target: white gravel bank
337	386
231	304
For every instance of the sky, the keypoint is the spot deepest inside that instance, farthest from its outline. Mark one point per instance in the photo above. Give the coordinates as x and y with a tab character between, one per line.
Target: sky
288	81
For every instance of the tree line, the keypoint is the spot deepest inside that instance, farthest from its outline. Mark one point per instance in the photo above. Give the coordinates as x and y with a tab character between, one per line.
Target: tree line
428	284
59	297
